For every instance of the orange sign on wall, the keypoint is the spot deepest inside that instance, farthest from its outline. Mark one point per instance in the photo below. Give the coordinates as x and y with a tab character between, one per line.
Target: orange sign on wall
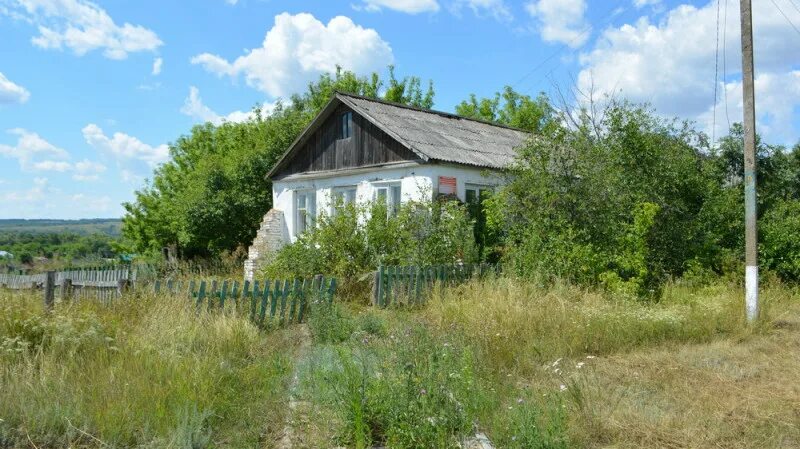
447	185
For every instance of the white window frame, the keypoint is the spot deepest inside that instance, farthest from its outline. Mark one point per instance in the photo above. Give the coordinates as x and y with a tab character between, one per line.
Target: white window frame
348	194
478	188
306	216
393	194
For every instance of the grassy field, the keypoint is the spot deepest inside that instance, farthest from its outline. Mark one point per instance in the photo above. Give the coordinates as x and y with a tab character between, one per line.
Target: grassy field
529	367
109	226
144	373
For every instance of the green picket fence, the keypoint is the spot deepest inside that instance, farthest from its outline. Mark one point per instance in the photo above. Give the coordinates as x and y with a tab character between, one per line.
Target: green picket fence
411	284
282	301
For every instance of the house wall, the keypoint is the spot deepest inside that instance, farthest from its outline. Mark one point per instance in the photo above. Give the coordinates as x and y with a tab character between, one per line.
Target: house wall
418	182
325	150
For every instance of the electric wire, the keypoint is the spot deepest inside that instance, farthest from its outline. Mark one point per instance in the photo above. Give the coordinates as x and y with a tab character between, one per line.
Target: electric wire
716	77
786	17
724	62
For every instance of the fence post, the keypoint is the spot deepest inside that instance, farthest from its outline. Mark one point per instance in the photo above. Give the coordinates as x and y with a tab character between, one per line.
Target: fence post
376	287
66	289
49	290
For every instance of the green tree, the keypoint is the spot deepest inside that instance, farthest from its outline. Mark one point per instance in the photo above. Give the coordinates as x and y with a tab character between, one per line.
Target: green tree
211	195
614	200
513	109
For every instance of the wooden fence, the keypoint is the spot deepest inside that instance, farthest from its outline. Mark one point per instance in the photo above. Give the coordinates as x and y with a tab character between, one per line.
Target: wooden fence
283	301
86	283
411	284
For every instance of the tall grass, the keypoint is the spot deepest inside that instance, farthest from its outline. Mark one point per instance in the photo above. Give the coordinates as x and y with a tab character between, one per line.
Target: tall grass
518	325
145	371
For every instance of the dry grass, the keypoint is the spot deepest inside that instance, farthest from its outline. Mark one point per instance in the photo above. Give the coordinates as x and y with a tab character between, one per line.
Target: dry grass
684	373
143	372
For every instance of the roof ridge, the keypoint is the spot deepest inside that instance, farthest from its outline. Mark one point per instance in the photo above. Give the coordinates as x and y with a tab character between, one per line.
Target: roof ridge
428	111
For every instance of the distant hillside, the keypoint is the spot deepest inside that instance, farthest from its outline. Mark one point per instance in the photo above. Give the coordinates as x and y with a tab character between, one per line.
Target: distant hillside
108	226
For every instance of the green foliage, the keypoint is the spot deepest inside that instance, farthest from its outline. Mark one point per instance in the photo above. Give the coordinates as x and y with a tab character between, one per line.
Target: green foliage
518	110
357	238
780	245
145	372
408	91
329	323
408	391
86	226
533	423
211	195
626	202
62	245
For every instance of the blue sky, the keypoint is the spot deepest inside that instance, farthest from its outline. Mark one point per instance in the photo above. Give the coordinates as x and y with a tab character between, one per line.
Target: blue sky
91	94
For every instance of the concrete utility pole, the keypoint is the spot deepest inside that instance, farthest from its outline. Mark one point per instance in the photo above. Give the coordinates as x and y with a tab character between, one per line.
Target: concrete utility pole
750	233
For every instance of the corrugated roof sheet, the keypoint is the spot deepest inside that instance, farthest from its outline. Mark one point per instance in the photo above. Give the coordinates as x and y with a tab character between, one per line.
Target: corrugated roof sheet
441	136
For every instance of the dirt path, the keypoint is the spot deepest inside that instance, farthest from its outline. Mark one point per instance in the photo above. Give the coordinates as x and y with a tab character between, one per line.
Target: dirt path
295	413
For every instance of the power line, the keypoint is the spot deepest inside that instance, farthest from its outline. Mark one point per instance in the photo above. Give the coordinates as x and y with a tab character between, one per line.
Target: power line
716	77
568	44
785	16
795	6
724	61
611	13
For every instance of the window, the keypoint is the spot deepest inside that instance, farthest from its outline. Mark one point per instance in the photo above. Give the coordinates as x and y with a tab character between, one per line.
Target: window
346	128
390	195
342	196
306	211
475	194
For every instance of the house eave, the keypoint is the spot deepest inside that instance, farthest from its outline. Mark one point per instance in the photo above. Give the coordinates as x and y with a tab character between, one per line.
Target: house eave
348	171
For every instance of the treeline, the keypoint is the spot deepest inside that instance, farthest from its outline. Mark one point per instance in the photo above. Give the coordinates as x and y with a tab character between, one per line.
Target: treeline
68	246
611	195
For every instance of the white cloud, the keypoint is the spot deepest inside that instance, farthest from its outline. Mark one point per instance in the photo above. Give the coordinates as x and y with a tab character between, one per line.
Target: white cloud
48	165
11	92
36	154
231	2
495	8
157	63
194	107
658	63
31	149
130	177
298	48
87	170
407	6
81	26
123	146
777	100
642	3
35	193
42	200
561	21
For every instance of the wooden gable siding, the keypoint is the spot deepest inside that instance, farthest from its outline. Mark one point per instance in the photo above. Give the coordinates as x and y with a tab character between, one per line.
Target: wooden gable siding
323	150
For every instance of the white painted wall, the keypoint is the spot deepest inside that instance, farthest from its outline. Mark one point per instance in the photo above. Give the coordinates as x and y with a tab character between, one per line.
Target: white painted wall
418	182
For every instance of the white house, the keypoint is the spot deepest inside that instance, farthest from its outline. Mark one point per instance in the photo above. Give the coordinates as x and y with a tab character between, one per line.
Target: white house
361	149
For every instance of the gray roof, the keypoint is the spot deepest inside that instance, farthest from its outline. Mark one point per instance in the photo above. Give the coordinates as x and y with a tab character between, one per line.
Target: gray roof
431	135
441	136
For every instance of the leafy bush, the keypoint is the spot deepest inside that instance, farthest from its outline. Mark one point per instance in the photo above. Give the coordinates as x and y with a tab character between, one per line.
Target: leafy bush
616	201
780	247
353	242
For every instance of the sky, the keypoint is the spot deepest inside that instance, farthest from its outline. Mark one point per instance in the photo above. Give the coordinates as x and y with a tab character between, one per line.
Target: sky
92	93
